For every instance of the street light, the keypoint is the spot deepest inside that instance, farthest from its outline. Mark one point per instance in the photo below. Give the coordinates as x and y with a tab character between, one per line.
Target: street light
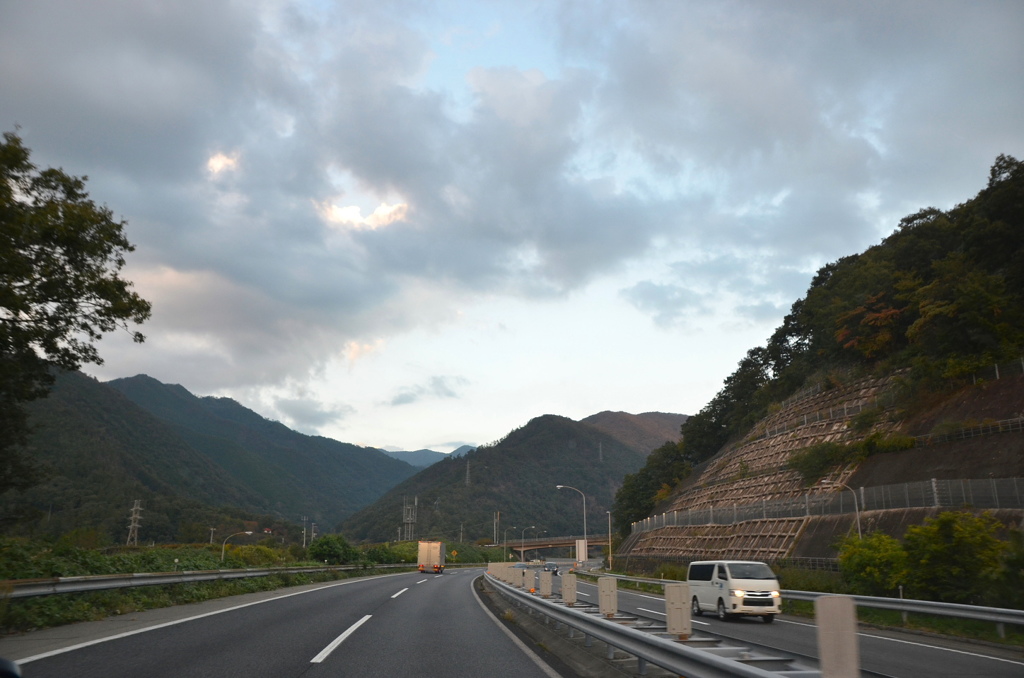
225	544
505	541
584	507
522	543
609	540
856	506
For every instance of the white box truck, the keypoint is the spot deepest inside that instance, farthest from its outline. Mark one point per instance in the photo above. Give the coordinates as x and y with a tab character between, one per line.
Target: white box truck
432	556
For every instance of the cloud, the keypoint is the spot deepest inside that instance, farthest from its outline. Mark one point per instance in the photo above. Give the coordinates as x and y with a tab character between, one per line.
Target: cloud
309	414
303	186
438	387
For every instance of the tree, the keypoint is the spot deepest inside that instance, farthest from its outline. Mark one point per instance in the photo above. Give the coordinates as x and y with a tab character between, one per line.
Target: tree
873	566
60	290
954	557
332	548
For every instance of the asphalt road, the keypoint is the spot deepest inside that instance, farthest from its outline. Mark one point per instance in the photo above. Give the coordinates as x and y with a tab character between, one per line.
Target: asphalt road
407	625
900	655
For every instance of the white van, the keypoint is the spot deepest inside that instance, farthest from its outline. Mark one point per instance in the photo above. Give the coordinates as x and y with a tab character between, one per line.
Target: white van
734	587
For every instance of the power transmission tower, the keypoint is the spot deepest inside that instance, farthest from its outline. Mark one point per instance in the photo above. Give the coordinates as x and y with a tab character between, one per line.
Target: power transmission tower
133	526
409	518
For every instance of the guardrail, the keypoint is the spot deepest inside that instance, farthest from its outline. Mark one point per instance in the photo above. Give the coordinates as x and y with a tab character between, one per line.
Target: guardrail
997	615
671	655
26	588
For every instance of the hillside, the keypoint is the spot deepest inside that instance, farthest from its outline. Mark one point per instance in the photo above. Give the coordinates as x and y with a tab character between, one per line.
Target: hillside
102	452
418	458
295	473
194	463
516	477
917	337
642	431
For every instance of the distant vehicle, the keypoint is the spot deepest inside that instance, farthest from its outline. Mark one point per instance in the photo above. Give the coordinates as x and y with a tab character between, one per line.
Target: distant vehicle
551	567
520	566
734	587
431	558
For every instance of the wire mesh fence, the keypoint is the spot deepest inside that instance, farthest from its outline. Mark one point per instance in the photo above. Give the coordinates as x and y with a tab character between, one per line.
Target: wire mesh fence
997	493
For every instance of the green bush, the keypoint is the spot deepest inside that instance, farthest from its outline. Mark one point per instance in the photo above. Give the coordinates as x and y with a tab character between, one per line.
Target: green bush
875	565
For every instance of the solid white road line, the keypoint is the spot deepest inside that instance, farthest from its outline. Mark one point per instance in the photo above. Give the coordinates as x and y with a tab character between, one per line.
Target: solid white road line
534	657
339	640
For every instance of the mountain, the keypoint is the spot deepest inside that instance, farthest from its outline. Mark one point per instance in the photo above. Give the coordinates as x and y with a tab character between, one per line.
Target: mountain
933	311
648	430
424	458
516	477
101	453
418	458
296	474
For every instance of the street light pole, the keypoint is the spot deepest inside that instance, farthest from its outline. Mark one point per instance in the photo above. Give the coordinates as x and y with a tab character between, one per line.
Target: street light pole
522	543
505	540
224	546
856	505
609	540
584	507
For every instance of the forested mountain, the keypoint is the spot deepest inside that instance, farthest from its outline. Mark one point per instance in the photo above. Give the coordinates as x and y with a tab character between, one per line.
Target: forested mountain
939	298
192	461
516	476
296	474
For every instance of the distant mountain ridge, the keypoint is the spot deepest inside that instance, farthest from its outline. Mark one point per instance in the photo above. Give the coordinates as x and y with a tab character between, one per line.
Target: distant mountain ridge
647	430
425	458
516	478
200	462
296	473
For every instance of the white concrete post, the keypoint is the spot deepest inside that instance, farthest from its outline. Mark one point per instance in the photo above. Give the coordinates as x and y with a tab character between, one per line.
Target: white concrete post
608	596
569	589
545	584
677	610
838	653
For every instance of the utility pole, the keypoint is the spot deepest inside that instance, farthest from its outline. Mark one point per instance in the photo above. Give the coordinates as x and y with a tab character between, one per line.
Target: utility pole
467	473
304	519
312	532
133	526
211	534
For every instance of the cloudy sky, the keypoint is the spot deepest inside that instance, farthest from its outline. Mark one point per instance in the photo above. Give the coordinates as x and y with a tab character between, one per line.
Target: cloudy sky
421	224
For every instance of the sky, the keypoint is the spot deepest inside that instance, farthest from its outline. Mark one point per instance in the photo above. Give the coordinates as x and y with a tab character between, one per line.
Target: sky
422	224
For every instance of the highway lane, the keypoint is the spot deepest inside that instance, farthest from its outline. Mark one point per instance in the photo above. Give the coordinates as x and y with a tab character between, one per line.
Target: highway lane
899	655
397	625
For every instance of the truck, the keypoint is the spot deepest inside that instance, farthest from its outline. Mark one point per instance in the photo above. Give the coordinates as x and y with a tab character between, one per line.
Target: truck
432	556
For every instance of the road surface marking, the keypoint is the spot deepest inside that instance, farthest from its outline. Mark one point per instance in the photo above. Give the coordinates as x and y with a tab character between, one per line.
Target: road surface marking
400	593
97	641
421	581
339	640
643	609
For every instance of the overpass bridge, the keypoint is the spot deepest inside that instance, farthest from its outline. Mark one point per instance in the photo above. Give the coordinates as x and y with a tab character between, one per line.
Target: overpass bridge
523	546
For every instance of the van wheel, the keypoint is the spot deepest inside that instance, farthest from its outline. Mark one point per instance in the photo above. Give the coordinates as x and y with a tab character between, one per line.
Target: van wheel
695	610
768	618
722	614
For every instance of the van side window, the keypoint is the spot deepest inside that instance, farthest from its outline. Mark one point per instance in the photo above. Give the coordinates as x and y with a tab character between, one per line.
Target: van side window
701	571
721	572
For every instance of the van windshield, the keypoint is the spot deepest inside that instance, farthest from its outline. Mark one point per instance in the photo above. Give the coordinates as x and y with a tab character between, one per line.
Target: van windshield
750	571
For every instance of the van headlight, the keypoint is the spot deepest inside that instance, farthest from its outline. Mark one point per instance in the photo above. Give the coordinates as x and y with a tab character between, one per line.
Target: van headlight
737	593
775	594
